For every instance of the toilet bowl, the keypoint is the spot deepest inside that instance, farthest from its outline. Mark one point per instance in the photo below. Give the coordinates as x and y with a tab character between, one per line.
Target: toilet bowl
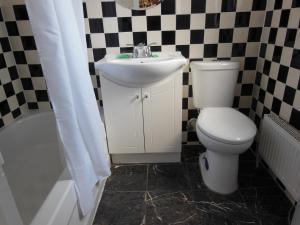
224	131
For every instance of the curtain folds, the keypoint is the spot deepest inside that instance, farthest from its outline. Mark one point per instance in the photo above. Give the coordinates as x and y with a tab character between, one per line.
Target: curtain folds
58	28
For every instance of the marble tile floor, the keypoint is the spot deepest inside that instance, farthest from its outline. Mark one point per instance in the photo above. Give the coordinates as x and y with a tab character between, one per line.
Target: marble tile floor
173	193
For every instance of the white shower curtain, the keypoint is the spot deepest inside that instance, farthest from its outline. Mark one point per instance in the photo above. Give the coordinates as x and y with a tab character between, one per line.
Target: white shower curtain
58	28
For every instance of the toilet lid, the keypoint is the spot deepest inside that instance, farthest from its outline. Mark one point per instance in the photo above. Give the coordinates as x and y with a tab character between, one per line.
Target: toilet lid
226	125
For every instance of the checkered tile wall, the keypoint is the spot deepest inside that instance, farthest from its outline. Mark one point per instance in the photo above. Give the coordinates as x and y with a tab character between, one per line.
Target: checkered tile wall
25	54
27	58
201	30
277	83
12	100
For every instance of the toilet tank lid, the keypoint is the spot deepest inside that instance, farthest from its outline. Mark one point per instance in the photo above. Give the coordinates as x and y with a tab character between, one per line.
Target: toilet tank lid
215	65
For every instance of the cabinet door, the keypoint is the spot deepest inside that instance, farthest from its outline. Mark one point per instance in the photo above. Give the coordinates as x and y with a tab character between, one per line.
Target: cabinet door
163	115
123	117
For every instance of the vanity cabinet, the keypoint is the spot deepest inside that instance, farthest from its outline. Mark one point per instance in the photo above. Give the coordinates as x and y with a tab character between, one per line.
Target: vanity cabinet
144	122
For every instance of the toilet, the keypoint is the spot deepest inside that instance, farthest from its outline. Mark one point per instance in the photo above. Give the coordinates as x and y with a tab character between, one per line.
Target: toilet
224	131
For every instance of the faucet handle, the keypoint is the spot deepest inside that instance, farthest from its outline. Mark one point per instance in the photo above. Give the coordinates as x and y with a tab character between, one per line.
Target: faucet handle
148	52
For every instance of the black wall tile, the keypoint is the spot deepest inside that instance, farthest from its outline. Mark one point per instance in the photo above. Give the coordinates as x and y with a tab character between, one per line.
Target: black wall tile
112	40
168	37
238	49
153	23
42	95
2	61
242	19
9	89
254	34
259	5
27	83
289	95
96	25
197	36
283	73
13	73
225	35
4	41
139	37
284	18
290	38
99	53
4	108
28	43
295	118
20	12
138	12
277	54
168	7
183	22
276	105
295	62
278	4
210	50
124	24
20	57
229	5
212	20
198	6
35	70
109	9
12	28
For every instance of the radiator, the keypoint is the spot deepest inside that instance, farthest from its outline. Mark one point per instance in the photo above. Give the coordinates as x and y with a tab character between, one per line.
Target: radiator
279	146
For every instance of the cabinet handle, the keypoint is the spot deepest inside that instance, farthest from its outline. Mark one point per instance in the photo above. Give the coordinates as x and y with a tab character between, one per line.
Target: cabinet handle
145	96
137	97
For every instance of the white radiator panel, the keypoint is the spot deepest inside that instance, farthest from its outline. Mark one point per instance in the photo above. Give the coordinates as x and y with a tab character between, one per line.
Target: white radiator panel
279	146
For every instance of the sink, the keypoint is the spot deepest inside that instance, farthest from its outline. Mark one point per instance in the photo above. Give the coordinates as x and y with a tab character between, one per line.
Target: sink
140	72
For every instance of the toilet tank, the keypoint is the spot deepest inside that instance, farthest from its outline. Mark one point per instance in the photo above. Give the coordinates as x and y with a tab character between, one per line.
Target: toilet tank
213	83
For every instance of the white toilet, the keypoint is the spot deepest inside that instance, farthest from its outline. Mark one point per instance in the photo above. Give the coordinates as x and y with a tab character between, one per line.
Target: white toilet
224	131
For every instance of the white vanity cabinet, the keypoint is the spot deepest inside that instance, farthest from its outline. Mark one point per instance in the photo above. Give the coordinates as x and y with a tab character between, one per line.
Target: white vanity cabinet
144	124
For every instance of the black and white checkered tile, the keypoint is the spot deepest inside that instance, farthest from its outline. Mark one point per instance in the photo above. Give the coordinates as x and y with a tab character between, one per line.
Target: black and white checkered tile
25	54
277	83
12	100
201	30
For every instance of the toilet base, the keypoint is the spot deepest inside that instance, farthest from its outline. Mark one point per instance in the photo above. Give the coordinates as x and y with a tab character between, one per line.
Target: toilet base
219	171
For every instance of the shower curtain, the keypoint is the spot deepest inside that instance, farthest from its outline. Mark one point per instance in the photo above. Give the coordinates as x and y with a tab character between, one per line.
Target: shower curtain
58	28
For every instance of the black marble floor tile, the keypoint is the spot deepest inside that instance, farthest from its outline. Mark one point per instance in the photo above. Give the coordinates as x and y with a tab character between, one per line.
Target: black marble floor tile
171	176
194	175
174	193
165	207
196	207
232	207
269	205
190	153
250	176
127	178
247	156
121	208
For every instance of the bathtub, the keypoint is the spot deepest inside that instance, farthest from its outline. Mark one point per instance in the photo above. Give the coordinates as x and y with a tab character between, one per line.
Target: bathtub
35	186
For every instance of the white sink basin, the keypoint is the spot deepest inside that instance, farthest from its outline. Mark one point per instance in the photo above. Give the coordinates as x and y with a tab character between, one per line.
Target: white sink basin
140	72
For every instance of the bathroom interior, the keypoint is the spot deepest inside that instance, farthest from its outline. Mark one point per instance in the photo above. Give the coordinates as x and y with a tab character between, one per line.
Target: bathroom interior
149	112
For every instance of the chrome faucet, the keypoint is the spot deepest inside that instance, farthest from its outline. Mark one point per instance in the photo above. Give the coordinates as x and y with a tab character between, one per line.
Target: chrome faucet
142	50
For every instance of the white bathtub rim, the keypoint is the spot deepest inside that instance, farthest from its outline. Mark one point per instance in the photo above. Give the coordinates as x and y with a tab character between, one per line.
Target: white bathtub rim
24	118
36	113
60	207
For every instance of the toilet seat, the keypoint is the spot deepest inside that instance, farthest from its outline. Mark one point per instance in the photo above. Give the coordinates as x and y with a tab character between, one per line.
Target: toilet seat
226	125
